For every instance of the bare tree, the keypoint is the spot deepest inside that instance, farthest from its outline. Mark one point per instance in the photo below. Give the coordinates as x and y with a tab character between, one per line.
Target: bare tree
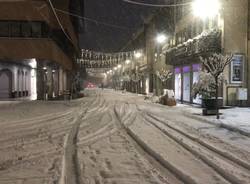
215	65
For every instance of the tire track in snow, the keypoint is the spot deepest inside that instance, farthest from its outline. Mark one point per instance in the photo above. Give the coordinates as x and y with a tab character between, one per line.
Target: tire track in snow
70	168
127	119
231	168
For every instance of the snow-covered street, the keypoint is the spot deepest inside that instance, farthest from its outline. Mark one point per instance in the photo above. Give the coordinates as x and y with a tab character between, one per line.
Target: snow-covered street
116	138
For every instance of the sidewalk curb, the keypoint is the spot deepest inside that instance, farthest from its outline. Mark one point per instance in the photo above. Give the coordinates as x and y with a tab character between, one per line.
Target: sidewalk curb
218	124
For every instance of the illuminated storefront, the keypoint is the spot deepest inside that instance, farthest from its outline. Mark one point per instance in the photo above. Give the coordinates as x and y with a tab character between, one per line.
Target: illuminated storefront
185	77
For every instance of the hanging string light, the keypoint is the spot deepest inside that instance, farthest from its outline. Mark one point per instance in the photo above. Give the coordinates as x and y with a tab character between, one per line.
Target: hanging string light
93	59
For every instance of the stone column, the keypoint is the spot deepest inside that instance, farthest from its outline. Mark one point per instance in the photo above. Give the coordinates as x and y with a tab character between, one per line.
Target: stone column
55	76
40	82
65	87
49	83
61	81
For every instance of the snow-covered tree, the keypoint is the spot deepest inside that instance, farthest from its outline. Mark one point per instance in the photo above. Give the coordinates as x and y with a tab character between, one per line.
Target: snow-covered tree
206	85
212	77
164	74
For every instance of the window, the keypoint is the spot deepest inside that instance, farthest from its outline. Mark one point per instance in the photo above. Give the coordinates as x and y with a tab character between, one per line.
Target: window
36	29
26	29
215	22
4	29
207	24
189	32
237	69
199	27
15	29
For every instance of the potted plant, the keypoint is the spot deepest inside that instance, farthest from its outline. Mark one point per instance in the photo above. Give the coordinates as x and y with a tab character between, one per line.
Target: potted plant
164	75
209	82
205	89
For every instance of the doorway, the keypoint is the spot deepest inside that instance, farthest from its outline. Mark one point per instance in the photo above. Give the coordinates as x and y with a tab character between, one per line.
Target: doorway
5	83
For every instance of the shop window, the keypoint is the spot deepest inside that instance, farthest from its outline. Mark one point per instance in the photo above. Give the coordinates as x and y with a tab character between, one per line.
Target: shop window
237	68
4	29
186	84
178	83
196	69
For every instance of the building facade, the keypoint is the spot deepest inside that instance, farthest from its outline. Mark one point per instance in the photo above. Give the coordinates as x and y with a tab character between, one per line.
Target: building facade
196	37
152	59
38	48
190	37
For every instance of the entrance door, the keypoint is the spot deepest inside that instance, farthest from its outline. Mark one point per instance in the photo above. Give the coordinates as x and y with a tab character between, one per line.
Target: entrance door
5	84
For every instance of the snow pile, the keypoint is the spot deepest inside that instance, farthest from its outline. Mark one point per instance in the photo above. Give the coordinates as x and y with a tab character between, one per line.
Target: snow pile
235	119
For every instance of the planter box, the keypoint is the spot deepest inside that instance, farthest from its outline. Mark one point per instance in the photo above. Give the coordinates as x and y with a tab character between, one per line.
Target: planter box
210	104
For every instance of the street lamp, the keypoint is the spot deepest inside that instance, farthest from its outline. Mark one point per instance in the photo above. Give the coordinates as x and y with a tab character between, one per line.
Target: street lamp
115	68
119	66
206	8
161	38
138	55
127	61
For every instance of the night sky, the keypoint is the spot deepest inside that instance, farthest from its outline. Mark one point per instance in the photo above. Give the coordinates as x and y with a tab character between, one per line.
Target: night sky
117	12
